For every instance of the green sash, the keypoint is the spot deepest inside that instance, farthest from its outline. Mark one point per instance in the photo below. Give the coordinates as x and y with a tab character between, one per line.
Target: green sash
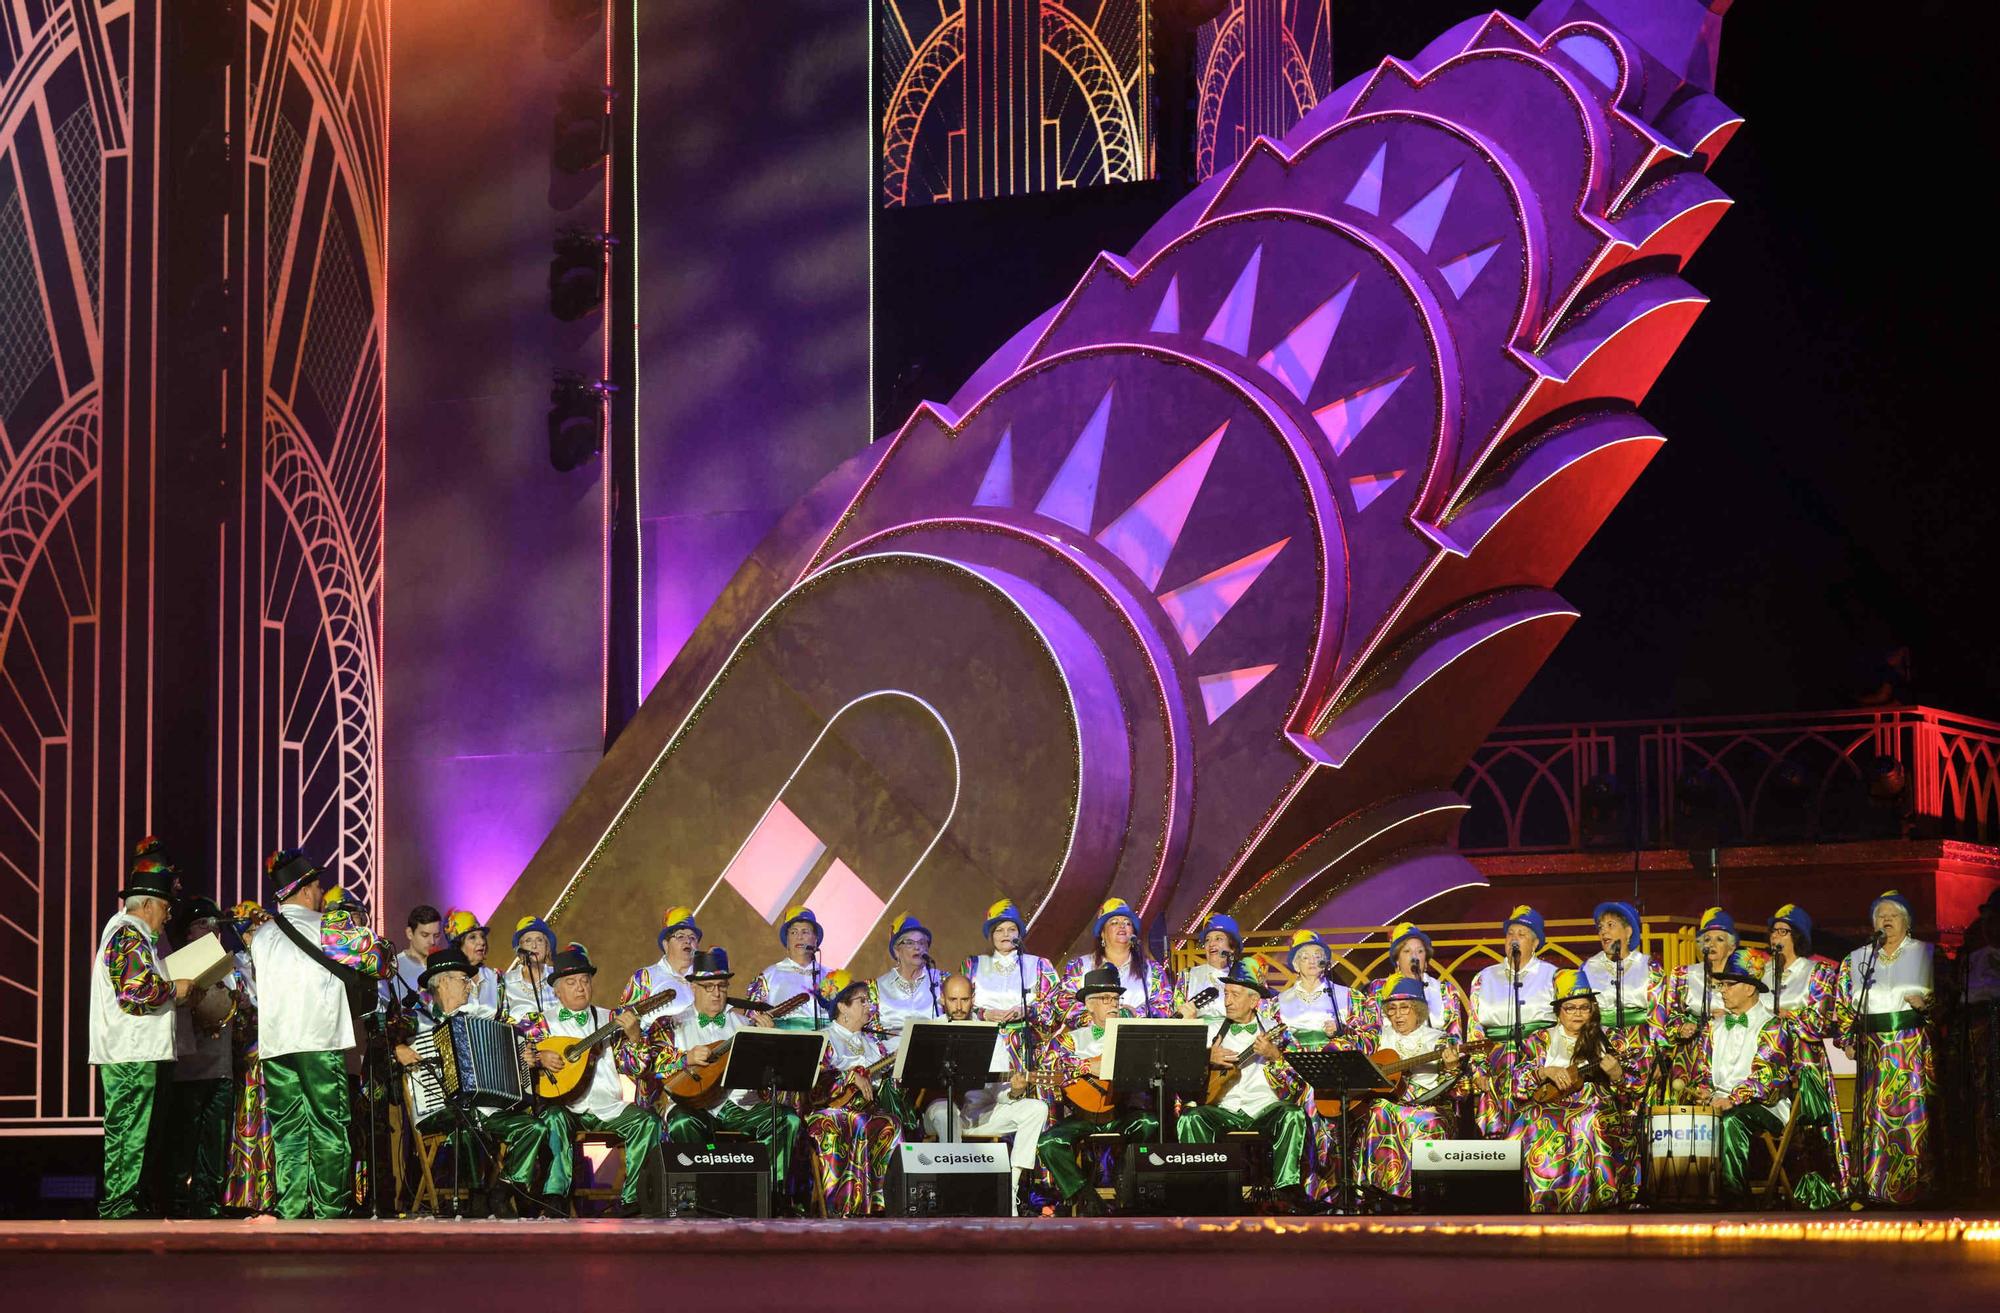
1888	1023
1506	1034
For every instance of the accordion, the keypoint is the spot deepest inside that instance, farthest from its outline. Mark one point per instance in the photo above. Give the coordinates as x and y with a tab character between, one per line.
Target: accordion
475	1060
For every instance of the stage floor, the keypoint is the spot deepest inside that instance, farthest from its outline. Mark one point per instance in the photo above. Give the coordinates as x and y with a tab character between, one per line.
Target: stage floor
978	1263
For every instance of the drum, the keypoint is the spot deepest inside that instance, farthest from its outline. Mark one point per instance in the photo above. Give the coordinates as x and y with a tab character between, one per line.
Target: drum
214	1010
1682	1162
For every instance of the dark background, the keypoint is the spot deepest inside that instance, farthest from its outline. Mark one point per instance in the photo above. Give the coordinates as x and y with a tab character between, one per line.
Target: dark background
1824	492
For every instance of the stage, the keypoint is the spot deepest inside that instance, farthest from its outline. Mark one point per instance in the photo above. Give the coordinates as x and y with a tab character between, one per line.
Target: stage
978	1263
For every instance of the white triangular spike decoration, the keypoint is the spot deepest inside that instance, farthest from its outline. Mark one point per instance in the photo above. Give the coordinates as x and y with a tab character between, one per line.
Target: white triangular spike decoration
1367	487
1221	692
1072	495
997	488
1343	420
1295	361
1460	272
1197	608
1167	319
1420	222
1367	191
1144	536
1231	326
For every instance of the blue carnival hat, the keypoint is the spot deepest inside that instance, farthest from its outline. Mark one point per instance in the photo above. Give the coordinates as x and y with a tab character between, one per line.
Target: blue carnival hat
1305	939
1892	896
1793	915
906	925
1000	912
1623	911
1529	917
1409	930
1240	973
793	916
1111	908
1226	924
532	923
1570	984
1744	968
678	918
836	985
1402	986
1717	919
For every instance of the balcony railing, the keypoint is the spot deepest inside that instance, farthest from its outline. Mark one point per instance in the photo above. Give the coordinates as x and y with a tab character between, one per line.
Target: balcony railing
1873	773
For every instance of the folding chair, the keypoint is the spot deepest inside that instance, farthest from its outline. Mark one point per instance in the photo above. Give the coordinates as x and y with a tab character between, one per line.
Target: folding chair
1776	1191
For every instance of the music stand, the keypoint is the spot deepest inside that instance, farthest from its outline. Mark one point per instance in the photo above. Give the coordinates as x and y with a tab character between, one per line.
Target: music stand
941	1055
1350	1074
774	1060
1169	1055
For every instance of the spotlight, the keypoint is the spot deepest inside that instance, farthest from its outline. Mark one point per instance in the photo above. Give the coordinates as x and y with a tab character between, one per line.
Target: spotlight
582	129
1886	779
1698	807
576	274
1603	819
576	419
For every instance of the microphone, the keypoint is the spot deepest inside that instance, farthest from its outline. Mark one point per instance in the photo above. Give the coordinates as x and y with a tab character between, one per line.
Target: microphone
1514	955
1880	935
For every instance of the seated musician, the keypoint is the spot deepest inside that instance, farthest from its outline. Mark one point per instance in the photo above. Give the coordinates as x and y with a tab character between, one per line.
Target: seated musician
1417	1110
1221	945
447	982
852	1134
999	1108
1073	1056
1741	1066
697	1044
1569	1121
1258	1090
597	1103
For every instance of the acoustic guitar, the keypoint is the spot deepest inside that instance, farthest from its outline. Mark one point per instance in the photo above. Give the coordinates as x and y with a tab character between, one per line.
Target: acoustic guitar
1222	1079
577	1053
1093	1095
1393	1068
701	1087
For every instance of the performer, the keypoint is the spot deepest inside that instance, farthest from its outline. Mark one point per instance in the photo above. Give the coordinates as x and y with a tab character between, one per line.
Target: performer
1627	983
909	989
1567	1088
526	1135
1221	947
425	929
305	964
132	1005
1981	1054
1415	1111
251	1186
1147	986
198	1118
797	972
525	992
1072	1056
1810	1009
1319	1014
678	939
471	936
1413	954
1265	1093
1011	985
999	1108
1742	1067
695	1042
1885	1001
597	1104
1511	1000
1687	998
851	1146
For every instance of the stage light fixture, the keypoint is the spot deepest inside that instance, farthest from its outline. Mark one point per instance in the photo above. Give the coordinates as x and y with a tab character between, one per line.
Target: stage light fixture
582	128
1886	778
1603	814
576	273
576	419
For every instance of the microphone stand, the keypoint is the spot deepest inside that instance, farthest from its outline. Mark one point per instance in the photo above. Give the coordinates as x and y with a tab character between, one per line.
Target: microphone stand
814	950
1514	1059
931	979
1778	1013
1864	1049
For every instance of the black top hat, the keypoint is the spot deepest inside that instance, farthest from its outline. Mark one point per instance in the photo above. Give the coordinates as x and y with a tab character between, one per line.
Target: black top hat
572	961
152	882
454	959
710	964
1103	980
1239	973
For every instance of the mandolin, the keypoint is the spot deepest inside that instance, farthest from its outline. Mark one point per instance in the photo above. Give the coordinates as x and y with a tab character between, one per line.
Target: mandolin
701	1087
1222	1079
1093	1095
577	1053
845	1091
1393	1068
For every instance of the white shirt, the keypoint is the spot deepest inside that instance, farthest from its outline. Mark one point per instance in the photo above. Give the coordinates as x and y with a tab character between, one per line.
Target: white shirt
1326	1008
785	980
402	988
1629	977
1202	976
846	1050
1798	983
1897	982
523	999
1732	1051
1493	992
1250	1093
301	1006
998	979
1422	1040
899	1001
599	1094
650	980
115	1034
1697	983
486	990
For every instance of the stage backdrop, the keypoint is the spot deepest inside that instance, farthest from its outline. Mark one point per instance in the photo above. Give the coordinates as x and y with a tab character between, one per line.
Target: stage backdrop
191	343
1200	592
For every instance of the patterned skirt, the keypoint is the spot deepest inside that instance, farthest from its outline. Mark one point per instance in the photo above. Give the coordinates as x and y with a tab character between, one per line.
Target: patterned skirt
851	1150
1570	1153
1389	1131
1895	1089
251	1185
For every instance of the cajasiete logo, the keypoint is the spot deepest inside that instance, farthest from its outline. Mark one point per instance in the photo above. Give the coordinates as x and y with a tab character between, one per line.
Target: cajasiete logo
1186	1157
963	1158
715	1158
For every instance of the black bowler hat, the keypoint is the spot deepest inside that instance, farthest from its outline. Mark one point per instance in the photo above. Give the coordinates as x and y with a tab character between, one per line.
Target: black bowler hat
572	961
447	959
1103	980
1240	974
151	881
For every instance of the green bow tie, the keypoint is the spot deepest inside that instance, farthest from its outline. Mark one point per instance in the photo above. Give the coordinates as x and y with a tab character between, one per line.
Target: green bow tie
1097	1032
581	1018
710	1022
1243	1028
1731	1020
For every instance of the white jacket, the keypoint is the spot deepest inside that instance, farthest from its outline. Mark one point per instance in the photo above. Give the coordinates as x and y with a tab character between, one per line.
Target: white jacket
115	1034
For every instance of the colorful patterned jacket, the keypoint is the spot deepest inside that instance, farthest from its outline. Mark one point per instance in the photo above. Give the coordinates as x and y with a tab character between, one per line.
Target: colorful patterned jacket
128	959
